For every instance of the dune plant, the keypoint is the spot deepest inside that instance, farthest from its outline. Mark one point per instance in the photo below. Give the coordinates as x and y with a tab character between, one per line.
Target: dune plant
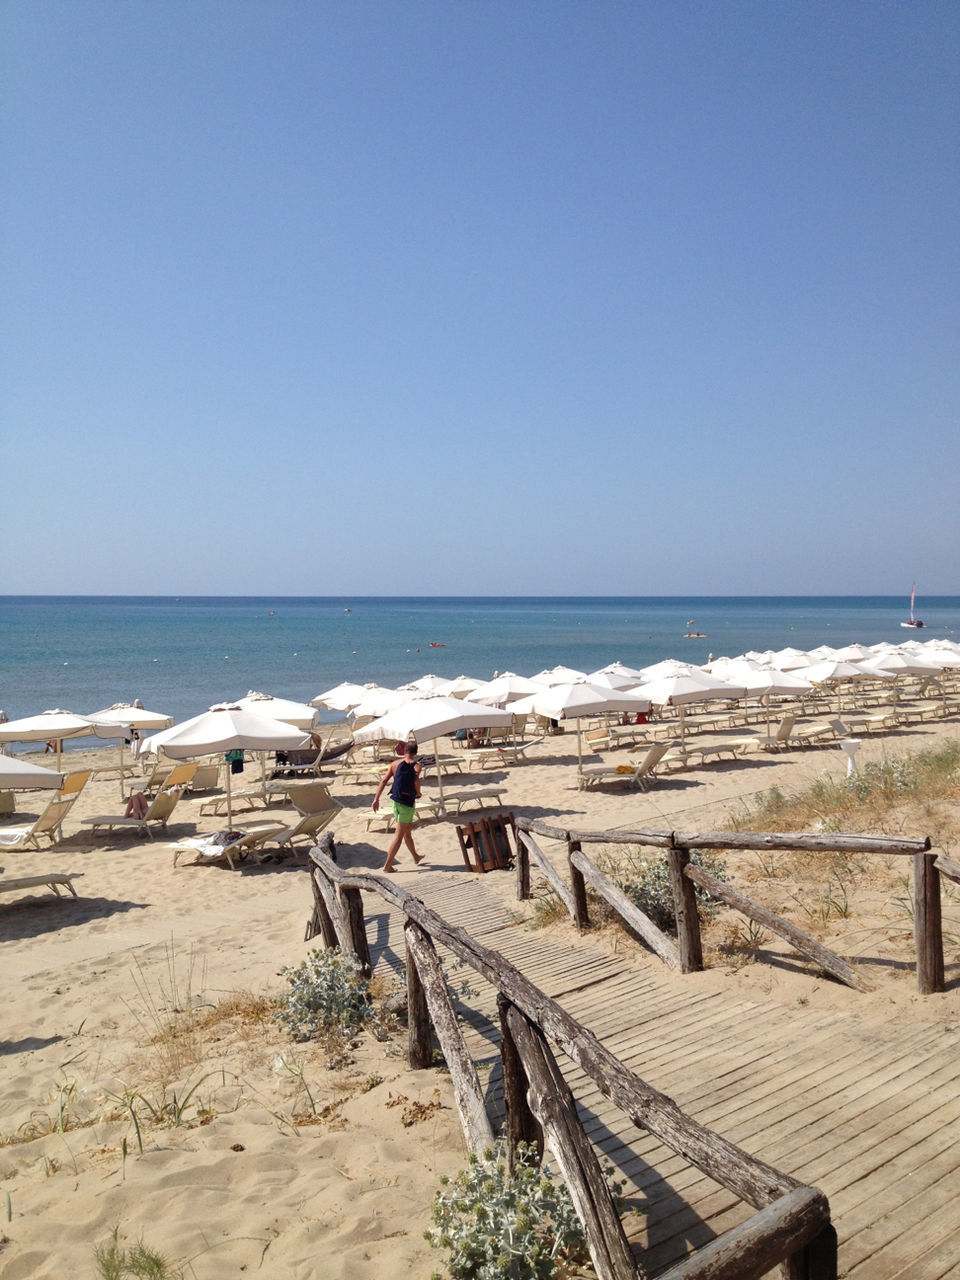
497	1225
645	878
114	1262
328	995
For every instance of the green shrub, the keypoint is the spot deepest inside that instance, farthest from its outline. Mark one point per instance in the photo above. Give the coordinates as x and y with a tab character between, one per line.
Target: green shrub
116	1263
646	881
507	1227
328	994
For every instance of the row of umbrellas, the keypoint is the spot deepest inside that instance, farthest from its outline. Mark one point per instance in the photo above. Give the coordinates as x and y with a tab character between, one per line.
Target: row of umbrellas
433	707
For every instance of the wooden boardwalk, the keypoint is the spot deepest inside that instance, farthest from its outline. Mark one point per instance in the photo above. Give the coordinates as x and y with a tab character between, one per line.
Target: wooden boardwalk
870	1114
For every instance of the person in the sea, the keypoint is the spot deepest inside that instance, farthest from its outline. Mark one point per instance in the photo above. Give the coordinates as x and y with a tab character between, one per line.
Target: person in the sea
404	778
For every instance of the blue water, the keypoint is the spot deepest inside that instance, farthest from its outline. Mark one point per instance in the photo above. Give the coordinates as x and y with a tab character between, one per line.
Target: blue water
181	655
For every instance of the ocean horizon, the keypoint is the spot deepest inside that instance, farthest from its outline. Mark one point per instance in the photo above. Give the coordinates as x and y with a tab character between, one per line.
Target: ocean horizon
180	654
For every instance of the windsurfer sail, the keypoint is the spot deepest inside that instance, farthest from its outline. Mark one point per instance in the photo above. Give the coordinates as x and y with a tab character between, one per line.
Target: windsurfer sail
914	620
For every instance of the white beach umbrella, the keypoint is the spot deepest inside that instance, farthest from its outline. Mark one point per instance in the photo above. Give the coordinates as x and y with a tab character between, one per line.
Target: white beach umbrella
463	686
853	653
789	659
299	714
838	674
21	775
54	726
378	701
225	728
505	689
342	697
667	668
128	715
428	718
901	664
577	700
767	683
681	690
429	684
618	669
612	680
559	675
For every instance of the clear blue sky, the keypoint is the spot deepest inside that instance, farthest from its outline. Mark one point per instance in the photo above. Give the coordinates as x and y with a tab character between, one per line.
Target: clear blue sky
477	298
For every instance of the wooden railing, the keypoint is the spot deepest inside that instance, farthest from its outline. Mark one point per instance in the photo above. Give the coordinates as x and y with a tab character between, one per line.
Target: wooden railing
685	952
792	1226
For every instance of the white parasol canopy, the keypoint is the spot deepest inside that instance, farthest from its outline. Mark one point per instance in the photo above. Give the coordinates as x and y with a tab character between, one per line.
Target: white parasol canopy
681	690
504	689
429	718
54	726
559	675
21	775
342	697
298	714
225	728
429	684
576	700
378	701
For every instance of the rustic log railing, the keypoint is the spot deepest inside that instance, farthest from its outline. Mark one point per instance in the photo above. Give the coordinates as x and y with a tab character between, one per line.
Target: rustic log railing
686	951
792	1226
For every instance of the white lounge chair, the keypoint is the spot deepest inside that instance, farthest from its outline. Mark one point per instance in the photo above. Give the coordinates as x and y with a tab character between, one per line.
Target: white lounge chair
632	775
53	880
158	815
48	825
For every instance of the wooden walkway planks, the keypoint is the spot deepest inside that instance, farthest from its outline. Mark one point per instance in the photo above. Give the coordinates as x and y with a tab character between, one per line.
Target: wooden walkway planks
869	1114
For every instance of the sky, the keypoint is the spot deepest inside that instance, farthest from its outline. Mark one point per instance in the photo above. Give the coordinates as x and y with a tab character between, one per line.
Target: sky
473	297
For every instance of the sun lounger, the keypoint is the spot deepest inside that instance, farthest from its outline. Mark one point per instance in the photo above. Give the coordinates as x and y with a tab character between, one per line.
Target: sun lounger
217	848
158	815
630	775
507	754
73	783
252	841
54	880
49	825
384	815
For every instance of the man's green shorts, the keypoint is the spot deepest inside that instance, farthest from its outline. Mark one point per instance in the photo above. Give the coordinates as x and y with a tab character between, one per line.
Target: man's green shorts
403	812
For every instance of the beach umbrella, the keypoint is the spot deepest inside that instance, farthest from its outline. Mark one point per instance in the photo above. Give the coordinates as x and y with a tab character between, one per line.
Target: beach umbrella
837	674
504	689
298	714
378	701
686	688
463	687
429	684
225	728
668	667
767	683
342	697
618	670
558	675
577	700
789	659
54	726
136	718
21	775
430	717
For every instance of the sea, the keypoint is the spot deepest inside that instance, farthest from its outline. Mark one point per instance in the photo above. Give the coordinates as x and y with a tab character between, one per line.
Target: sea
180	655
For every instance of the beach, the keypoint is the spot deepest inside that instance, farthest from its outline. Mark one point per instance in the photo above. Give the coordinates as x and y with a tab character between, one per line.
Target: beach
277	1160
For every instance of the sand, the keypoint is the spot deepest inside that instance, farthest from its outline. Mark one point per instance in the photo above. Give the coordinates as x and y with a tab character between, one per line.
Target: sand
277	1162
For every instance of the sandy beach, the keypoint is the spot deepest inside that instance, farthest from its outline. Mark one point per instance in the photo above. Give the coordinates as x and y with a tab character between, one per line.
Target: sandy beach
261	1158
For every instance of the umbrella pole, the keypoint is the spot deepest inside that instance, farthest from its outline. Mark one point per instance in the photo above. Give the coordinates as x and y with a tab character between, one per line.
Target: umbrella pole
436	757
121	768
766	703
229	799
579	748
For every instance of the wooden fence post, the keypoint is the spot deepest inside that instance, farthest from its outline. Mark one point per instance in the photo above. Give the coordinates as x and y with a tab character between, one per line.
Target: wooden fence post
352	903
419	1031
523	871
685	906
463	1073
816	1260
521	1123
320	921
553	1105
580	916
927	927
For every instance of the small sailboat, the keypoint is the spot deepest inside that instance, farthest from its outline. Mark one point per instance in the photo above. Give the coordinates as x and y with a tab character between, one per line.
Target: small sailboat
914	620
